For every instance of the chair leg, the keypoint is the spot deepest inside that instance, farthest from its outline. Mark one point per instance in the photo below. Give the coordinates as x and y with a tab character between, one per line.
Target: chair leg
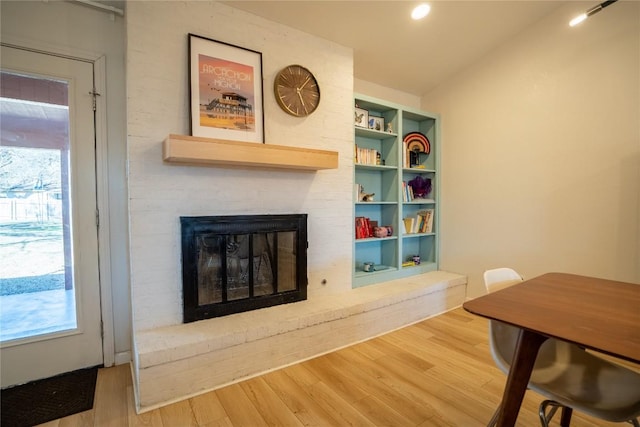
494	418
545	418
565	416
634	422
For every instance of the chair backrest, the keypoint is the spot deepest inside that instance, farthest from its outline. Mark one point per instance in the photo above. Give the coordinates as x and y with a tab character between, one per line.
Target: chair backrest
503	338
500	278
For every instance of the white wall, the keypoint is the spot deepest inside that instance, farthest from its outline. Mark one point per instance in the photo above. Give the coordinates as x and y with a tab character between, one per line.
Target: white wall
158	104
80	31
541	151
388	94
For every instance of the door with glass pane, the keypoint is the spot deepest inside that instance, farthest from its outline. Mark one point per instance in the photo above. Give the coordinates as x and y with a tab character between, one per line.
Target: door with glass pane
50	319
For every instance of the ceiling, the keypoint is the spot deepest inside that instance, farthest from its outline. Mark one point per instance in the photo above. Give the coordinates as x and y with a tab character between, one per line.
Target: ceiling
394	51
33	124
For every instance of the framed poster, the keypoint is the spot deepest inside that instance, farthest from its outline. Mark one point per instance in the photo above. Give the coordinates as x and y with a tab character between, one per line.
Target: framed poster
225	91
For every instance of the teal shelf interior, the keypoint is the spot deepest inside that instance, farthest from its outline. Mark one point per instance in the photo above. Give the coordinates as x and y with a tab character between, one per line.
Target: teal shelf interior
385	179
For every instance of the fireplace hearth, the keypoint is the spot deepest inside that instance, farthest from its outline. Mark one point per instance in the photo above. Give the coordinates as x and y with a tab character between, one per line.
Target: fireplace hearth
232	264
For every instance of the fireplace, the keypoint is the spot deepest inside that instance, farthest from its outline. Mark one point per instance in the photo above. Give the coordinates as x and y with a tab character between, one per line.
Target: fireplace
232	264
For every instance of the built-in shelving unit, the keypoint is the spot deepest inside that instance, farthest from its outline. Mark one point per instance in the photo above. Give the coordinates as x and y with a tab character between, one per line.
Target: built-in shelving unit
198	151
392	256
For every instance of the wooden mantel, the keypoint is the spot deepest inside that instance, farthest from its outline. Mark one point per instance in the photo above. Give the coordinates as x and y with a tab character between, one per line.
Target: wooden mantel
193	150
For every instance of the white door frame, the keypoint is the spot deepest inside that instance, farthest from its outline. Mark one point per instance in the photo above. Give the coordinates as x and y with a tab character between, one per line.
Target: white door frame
102	179
102	193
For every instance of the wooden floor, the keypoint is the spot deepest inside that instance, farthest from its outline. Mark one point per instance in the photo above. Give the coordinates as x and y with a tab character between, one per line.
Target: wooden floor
435	373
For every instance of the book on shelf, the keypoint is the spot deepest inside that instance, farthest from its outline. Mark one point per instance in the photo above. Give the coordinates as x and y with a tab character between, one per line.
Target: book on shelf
367	156
405	155
408	224
407	192
410	158
422	222
364	227
427	226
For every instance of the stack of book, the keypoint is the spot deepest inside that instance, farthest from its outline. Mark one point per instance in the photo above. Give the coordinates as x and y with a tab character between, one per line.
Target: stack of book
407	192
367	156
422	222
364	228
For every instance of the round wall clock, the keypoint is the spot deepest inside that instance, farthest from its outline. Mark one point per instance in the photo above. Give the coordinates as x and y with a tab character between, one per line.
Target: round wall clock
297	90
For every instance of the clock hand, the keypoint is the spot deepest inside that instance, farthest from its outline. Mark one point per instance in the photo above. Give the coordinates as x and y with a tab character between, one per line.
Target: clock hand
305	83
302	100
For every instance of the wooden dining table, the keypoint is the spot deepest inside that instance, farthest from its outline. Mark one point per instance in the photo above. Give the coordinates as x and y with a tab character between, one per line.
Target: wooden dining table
598	314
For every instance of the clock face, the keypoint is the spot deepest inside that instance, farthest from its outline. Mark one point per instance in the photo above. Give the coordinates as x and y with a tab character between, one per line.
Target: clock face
297	91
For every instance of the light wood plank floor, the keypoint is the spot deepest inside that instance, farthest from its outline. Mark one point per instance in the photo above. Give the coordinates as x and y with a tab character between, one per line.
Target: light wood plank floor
435	373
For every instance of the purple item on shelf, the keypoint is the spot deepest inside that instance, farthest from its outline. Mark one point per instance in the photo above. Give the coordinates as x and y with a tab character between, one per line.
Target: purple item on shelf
421	186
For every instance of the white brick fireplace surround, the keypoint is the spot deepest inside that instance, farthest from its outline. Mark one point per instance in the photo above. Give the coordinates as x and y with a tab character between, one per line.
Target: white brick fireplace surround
178	361
174	360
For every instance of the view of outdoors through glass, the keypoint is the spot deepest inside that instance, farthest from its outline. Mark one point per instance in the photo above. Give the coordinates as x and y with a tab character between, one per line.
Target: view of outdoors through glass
37	295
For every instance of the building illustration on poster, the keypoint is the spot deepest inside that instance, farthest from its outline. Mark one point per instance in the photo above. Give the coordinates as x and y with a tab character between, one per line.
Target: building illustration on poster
226	93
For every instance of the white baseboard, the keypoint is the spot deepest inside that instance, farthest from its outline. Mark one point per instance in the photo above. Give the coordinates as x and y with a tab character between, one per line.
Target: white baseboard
123	357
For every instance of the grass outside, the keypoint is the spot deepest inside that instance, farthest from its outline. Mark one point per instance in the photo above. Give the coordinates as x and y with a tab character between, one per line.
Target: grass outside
31	257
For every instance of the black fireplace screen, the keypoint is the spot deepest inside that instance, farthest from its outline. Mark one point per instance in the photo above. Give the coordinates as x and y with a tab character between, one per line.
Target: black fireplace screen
238	263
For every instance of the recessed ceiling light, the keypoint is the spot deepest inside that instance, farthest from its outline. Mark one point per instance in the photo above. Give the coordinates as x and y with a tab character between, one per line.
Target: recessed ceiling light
578	19
420	11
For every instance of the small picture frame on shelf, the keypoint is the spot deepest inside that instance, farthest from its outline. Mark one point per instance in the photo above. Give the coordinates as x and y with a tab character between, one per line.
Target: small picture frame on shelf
361	117
376	123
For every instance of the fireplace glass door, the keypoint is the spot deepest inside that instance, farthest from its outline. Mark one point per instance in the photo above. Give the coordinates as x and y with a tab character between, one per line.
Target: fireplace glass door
250	265
232	266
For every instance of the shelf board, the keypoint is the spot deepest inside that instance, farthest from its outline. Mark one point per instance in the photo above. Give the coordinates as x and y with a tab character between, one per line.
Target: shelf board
411	235
423	266
421	202
382	168
199	151
382	269
372	133
375	203
418	170
375	239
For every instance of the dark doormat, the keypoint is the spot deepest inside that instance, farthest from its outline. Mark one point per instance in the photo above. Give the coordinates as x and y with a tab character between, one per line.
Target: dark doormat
44	400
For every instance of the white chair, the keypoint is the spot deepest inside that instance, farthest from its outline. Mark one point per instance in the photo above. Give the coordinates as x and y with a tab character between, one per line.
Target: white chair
567	375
